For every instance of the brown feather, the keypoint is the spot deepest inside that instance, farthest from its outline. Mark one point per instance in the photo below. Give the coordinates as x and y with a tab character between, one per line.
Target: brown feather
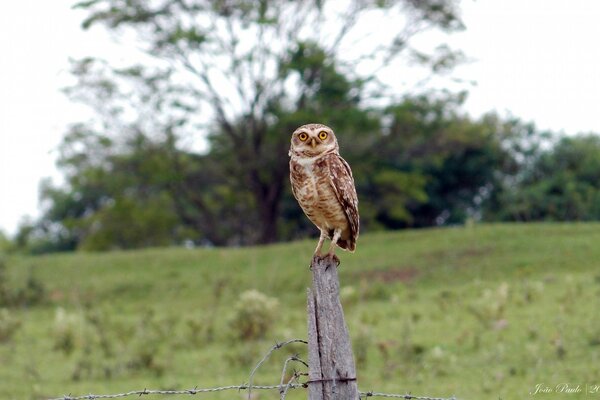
342	182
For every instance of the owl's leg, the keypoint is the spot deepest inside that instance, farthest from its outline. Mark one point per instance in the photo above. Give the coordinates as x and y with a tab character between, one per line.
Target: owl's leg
322	238
320	244
331	253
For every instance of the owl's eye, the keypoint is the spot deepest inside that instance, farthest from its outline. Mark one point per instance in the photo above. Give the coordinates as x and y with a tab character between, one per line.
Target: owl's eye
322	135
303	136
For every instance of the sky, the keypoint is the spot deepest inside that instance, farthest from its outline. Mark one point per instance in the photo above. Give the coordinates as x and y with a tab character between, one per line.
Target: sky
535	59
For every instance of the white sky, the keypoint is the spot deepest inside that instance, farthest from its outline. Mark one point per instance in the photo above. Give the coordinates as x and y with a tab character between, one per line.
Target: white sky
537	59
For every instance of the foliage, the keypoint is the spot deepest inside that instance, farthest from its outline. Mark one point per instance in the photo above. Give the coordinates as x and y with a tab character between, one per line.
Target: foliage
189	147
67	332
429	165
6	245
32	292
241	74
102	347
9	325
253	315
562	184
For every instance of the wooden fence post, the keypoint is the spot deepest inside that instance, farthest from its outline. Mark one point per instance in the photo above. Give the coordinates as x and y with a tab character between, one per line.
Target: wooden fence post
332	374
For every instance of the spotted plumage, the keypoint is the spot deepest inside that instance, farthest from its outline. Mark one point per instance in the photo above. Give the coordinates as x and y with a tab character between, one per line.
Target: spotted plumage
322	183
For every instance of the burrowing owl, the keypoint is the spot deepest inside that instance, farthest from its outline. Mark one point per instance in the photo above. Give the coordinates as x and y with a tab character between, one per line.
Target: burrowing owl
322	183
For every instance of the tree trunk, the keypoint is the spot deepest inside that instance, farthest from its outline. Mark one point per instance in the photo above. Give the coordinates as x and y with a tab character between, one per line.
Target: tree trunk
268	228
332	374
268	199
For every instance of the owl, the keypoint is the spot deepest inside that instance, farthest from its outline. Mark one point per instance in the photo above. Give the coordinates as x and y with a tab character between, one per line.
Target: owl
322	183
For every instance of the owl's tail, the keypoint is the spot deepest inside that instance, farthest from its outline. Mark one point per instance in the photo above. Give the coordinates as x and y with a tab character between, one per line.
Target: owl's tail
348	245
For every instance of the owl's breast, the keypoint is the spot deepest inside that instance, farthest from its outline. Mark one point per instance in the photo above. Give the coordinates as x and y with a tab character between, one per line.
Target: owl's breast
312	188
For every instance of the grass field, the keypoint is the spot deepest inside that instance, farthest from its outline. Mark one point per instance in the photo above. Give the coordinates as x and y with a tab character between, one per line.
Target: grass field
480	312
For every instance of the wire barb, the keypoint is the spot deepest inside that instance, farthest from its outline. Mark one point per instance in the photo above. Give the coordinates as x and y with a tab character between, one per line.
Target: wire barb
277	346
296	358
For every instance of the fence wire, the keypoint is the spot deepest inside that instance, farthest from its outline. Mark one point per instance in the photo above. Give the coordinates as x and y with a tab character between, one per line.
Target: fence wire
283	387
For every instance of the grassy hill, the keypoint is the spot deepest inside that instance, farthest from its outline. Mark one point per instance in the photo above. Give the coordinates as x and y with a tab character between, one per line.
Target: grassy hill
486	311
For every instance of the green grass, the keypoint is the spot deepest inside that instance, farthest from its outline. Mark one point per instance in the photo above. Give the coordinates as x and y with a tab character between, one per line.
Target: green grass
479	312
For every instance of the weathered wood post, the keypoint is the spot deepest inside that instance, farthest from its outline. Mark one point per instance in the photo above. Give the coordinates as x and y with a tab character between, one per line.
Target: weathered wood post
332	374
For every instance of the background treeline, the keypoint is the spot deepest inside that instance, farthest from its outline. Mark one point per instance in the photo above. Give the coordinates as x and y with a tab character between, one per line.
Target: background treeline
431	165
246	74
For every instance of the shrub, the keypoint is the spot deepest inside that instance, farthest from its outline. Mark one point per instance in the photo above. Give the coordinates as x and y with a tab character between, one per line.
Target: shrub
9	324
5	292
199	330
363	341
349	295
33	293
67	331
490	308
253	315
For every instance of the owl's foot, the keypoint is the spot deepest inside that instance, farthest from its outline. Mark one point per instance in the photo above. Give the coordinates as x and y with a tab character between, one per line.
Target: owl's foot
315	259
333	258
329	256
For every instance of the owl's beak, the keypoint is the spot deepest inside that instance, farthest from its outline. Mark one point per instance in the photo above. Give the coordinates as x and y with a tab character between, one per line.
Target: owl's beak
313	143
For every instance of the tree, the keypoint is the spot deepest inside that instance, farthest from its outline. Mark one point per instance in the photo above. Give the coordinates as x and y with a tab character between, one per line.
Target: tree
114	200
562	184
433	164
250	72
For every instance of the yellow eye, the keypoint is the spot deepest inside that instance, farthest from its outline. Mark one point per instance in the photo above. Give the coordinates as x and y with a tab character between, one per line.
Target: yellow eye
303	136
322	135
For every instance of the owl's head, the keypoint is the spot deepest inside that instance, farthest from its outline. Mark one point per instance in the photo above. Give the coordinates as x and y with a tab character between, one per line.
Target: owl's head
312	140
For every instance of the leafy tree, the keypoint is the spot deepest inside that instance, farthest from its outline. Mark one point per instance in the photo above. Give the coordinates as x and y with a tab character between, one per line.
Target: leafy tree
562	184
43	236
123	195
432	164
249	72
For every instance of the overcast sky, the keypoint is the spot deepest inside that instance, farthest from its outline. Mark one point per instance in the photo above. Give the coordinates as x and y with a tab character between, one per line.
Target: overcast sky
536	59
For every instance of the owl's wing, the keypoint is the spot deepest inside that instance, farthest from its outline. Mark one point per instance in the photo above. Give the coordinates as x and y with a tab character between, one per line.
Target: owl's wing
342	182
294	177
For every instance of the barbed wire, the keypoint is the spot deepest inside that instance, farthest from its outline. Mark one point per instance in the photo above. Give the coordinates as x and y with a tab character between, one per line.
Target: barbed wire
172	392
402	396
293	383
275	347
295	378
289	385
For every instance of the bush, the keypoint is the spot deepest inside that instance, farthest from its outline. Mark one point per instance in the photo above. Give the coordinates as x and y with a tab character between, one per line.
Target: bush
103	348
33	293
67	332
5	291
9	324
254	314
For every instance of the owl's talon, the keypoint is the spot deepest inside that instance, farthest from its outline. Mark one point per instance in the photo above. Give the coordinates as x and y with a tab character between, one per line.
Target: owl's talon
334	258
316	258
337	261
